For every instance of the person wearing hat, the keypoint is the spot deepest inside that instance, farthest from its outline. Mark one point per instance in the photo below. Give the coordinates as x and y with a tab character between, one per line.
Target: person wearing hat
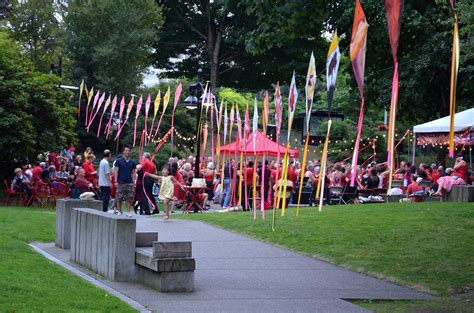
20	183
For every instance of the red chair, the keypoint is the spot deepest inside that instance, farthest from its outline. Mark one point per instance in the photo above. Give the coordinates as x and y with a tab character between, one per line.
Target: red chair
41	193
20	196
58	190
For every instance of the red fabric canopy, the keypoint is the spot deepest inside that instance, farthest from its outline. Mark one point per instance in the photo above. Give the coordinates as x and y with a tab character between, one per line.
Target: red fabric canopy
264	145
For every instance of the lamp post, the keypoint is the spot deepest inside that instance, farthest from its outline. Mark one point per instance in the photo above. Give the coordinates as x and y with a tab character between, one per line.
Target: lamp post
196	100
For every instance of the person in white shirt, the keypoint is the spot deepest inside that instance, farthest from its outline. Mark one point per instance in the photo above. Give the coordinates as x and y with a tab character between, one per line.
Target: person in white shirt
104	180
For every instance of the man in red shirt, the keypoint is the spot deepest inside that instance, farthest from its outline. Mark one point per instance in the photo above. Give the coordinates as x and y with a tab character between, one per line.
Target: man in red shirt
37	170
414	187
292	175
90	172
149	167
80	183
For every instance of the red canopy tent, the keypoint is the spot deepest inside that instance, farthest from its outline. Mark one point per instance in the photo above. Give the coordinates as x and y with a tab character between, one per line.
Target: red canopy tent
270	147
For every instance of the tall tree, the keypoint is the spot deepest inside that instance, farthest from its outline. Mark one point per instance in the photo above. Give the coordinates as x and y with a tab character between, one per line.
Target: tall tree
110	42
34	25
244	44
35	115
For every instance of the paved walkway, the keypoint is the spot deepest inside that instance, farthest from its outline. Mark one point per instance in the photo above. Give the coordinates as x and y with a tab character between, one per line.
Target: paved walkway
238	274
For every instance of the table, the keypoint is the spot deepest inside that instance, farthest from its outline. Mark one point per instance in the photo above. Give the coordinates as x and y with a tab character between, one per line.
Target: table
193	193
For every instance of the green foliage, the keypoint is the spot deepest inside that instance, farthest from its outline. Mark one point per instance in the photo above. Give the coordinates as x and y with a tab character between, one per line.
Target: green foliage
230	96
34	26
31	283
35	115
110	42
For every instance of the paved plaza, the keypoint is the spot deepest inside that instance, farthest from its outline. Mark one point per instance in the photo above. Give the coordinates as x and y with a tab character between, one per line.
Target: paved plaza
238	274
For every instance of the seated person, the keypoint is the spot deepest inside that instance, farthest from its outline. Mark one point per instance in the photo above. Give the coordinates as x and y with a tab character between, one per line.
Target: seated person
91	173
458	177
413	188
279	191
20	183
80	183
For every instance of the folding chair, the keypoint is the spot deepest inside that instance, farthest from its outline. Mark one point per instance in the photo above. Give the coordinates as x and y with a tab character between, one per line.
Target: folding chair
41	193
335	194
348	195
58	191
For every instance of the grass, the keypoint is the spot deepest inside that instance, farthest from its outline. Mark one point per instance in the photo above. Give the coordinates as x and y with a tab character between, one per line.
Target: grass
29	282
426	246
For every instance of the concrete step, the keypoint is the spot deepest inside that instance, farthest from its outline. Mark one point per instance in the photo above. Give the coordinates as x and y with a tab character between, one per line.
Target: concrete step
144	257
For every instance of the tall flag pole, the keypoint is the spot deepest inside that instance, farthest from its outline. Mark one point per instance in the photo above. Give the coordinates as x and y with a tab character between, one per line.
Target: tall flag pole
278	115
241	155
254	144
218	140
147	110
226	124
156	107
177	94
264	126
310	85
321	180
246	138
454	80
357	54
137	113
292	98
394	11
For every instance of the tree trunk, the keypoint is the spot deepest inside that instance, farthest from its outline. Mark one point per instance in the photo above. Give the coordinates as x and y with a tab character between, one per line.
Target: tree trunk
213	46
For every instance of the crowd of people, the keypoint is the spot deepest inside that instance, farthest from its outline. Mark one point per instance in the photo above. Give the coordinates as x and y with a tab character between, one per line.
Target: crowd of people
138	184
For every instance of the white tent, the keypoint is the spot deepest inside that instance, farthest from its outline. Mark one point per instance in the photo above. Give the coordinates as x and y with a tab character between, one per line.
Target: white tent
462	121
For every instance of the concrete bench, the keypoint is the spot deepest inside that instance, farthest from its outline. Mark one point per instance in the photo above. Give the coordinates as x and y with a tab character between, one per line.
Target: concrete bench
104	243
63	218
461	193
167	266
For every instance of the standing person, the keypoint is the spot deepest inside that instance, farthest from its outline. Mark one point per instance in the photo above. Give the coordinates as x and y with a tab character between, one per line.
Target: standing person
124	173
149	167
167	183
228	175
104	180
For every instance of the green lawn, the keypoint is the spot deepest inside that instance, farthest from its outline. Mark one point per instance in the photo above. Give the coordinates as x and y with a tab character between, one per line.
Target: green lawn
31	283
427	246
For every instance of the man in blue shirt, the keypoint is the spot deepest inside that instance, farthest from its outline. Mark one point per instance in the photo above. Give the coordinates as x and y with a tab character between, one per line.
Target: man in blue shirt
124	177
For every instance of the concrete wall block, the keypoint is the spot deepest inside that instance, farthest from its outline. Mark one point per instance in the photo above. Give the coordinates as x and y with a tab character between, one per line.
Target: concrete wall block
94	241
82	238
73	235
166	250
124	248
166	282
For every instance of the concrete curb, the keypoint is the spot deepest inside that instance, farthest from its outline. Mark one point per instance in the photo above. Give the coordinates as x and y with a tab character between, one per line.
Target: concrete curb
92	280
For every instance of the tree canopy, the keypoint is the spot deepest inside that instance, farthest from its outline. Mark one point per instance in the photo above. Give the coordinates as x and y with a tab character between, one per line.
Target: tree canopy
109	42
25	96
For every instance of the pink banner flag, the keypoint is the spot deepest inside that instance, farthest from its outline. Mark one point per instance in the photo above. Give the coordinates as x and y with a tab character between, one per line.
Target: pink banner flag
166	100
177	94
99	104
106	105
357	55
147	109
137	113
109	123
129	109
278	116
